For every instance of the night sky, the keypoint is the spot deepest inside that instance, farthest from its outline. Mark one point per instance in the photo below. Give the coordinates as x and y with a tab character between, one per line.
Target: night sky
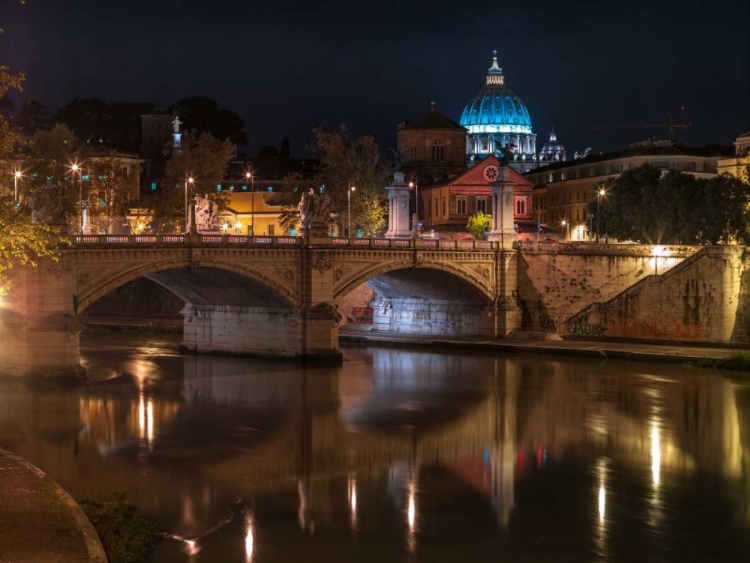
286	66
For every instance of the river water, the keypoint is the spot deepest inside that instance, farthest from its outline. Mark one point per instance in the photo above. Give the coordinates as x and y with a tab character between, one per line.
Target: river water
400	455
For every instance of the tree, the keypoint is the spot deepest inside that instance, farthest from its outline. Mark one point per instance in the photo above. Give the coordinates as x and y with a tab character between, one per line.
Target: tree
21	241
479	225
33	117
108	191
201	157
51	187
347	162
647	206
203	115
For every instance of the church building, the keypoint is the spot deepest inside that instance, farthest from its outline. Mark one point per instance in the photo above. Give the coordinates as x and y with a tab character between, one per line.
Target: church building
440	155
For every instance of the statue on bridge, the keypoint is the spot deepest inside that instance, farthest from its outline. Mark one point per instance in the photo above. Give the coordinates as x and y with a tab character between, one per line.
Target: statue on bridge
206	215
314	213
48	206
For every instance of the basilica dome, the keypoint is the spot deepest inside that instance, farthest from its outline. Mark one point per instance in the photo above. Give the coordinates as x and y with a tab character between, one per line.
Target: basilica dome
495	117
552	149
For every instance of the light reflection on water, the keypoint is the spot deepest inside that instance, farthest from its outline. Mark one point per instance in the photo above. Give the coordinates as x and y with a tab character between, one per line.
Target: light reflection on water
401	455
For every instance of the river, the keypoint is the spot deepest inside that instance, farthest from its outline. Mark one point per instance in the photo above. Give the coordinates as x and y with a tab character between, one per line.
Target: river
399	455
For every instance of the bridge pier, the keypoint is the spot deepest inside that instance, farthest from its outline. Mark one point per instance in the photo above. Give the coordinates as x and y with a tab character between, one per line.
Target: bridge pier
38	326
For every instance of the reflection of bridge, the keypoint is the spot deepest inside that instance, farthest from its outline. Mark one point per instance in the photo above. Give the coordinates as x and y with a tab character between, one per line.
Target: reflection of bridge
255	295
216	437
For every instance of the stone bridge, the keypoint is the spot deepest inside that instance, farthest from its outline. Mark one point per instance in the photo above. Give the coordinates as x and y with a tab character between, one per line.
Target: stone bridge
275	296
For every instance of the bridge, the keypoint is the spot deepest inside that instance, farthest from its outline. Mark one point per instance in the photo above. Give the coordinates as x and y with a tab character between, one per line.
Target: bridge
275	296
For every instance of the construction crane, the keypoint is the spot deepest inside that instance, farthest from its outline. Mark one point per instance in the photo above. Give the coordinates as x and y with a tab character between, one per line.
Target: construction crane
670	125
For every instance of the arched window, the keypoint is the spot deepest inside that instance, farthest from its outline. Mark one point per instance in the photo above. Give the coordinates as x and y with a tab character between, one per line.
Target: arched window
520	207
438	151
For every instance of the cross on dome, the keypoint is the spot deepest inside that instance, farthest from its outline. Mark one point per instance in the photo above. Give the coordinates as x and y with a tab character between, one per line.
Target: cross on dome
495	73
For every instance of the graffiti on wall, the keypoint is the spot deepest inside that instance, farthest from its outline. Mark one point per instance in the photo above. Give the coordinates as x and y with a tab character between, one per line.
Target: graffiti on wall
547	322
656	327
586	329
361	315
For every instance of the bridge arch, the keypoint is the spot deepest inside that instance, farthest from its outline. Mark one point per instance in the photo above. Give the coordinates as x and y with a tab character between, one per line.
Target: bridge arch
369	274
109	282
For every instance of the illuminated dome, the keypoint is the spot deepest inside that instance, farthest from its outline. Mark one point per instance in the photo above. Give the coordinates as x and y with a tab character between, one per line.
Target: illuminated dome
552	149
496	116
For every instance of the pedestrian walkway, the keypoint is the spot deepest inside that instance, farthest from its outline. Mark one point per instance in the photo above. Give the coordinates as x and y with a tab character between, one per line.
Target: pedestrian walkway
39	521
578	348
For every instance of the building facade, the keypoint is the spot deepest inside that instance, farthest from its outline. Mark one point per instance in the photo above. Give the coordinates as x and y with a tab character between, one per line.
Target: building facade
446	207
563	190
738	164
432	148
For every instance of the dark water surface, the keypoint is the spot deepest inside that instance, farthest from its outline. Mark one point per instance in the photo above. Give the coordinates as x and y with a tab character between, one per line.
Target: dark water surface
400	455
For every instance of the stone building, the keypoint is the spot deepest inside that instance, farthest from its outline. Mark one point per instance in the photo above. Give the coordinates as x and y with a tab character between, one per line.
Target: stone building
563	190
737	165
433	148
446	206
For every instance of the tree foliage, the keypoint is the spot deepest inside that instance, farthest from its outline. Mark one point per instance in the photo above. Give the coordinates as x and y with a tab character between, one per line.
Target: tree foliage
479	225
347	162
204	115
647	206
21	241
201	157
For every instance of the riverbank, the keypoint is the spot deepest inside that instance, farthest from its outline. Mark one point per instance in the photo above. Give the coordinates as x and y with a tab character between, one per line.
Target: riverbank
664	353
39	521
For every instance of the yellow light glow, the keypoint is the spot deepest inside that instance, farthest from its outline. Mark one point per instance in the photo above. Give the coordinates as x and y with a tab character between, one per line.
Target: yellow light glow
191	180
140	227
249	539
411	512
150	421
17	174
238	225
655	455
75	167
192	548
602	192
602	503
225	226
659	251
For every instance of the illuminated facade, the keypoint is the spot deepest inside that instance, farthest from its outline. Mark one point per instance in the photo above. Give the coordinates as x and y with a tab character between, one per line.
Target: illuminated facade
739	164
495	117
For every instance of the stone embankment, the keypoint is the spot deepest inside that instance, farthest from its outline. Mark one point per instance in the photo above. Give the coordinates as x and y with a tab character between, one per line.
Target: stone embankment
39	521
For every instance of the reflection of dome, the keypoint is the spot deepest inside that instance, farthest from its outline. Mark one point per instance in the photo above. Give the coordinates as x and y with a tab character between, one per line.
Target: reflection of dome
496	116
552	149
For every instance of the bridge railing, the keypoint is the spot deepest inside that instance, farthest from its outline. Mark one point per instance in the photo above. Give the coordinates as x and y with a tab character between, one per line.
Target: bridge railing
270	241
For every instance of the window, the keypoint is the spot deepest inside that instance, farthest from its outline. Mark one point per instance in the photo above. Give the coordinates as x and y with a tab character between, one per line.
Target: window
153	186
520	207
244	187
270	189
443	206
461	206
270	230
482	204
413	152
438	151
436	208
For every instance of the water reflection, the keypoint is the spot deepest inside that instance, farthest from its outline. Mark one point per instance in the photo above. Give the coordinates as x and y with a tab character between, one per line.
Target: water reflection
398	453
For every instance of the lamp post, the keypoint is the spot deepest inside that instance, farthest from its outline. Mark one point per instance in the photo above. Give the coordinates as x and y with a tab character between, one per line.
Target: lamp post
349	208
16	176
249	176
189	180
599	195
416	203
564	224
75	167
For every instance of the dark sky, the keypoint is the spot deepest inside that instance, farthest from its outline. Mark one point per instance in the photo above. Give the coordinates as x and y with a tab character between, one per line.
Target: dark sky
287	66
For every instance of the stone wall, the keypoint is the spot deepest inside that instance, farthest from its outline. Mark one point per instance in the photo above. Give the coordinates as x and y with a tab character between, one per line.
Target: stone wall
557	282
695	301
432	316
241	330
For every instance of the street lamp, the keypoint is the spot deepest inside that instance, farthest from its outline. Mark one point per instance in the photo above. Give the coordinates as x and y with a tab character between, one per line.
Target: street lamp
189	180
599	195
249	176
16	176
416	202
75	167
349	208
